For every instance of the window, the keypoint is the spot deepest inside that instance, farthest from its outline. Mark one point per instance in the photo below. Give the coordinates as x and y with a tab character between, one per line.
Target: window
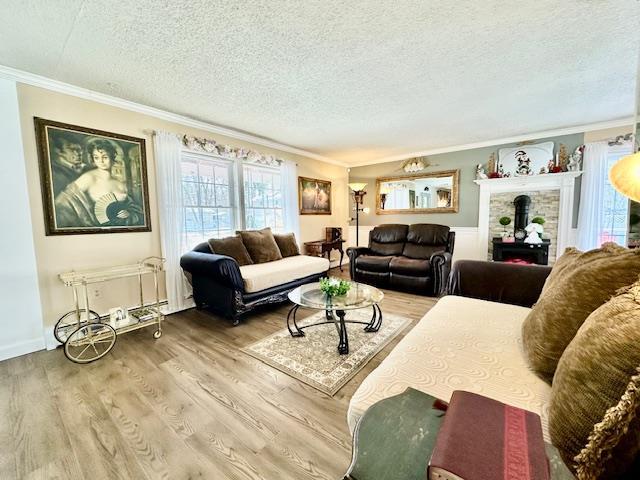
211	206
615	215
208	196
263	205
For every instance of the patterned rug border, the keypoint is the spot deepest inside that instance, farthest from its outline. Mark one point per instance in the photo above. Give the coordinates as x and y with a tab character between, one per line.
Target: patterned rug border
331	392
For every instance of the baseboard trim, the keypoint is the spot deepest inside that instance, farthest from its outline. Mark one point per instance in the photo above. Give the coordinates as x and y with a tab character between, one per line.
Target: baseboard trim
21	348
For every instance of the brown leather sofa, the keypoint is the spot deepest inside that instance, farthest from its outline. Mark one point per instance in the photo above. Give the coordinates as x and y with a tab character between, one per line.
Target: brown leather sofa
413	258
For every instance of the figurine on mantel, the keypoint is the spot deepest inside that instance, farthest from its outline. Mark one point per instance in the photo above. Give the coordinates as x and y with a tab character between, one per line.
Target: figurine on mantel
480	174
534	230
575	159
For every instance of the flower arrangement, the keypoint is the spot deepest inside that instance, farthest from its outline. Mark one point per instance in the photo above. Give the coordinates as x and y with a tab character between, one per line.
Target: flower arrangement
334	287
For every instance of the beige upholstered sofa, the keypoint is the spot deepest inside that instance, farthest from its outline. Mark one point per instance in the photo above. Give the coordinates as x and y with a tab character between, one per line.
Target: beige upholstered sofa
466	343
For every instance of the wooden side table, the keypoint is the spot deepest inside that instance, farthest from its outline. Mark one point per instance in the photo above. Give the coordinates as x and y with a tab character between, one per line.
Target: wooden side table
321	247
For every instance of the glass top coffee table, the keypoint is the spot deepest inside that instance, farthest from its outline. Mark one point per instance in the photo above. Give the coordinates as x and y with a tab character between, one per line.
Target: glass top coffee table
335	308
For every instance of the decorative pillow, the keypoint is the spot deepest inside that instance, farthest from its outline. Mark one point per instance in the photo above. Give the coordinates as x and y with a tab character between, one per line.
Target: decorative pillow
573	293
261	245
287	244
591	462
231	247
566	261
592	376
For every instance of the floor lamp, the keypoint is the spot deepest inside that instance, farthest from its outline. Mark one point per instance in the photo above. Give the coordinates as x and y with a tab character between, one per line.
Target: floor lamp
358	198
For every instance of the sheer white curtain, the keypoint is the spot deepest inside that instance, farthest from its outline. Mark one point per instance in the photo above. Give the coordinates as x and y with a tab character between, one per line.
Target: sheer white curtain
592	194
167	150
290	198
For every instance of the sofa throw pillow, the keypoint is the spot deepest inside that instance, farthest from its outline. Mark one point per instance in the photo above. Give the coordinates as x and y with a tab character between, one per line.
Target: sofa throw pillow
592	376
576	291
563	264
592	461
261	245
231	247
287	244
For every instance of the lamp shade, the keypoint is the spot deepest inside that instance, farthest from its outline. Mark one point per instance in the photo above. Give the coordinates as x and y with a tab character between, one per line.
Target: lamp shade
625	176
357	187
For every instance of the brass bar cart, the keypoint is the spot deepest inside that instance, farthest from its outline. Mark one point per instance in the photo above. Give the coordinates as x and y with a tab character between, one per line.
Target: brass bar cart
83	333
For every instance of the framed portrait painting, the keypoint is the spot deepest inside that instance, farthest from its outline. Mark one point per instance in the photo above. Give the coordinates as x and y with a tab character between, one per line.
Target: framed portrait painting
92	181
314	196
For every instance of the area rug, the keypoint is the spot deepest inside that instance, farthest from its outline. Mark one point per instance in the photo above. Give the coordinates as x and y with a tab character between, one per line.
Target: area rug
314	358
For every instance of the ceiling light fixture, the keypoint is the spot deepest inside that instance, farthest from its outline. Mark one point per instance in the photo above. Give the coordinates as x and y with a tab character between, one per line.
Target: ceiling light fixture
414	165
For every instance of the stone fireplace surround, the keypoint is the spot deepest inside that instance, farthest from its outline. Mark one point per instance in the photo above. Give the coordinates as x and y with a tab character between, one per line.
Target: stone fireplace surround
544	203
552	196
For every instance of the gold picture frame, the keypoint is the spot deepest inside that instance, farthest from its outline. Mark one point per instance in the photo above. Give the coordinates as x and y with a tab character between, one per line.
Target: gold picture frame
92	181
314	196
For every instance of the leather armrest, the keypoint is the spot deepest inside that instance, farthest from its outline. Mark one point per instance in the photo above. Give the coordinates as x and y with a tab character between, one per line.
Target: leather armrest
441	267
498	281
353	252
221	268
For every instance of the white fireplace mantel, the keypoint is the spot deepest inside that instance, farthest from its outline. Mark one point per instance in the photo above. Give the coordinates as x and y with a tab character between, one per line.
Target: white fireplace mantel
565	182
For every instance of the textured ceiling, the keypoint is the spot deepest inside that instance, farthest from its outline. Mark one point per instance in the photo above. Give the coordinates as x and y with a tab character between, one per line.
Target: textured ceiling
355	81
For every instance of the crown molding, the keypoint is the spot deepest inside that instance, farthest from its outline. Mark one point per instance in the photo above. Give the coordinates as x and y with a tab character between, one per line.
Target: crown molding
620	122
21	76
68	89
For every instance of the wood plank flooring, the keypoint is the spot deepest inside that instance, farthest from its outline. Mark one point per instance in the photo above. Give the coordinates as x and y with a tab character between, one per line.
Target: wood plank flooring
189	405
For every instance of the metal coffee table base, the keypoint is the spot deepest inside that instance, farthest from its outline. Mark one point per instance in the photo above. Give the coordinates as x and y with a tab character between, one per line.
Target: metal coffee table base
338	320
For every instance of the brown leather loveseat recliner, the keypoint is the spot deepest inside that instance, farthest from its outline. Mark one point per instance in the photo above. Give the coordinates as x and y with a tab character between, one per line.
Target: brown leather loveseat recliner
413	258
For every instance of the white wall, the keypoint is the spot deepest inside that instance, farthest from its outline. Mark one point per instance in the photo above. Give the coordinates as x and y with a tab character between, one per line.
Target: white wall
20	312
60	253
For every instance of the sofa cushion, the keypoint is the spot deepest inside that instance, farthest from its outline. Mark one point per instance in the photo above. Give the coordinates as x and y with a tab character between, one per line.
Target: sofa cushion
425	239
373	263
261	276
411	283
388	239
261	245
287	244
592	375
460	344
414	250
570	298
231	247
410	266
563	265
428	234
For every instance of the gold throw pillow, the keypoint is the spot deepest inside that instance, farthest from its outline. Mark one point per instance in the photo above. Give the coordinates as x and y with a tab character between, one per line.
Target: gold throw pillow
287	244
593	375
261	245
581	285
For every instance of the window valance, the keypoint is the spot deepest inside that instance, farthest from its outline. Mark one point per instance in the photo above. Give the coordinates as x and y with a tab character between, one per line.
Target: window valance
207	145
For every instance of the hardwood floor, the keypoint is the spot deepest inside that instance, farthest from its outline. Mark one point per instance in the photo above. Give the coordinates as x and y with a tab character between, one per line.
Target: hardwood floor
189	405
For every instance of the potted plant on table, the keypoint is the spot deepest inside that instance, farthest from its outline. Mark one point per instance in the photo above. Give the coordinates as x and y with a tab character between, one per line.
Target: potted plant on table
334	287
506	237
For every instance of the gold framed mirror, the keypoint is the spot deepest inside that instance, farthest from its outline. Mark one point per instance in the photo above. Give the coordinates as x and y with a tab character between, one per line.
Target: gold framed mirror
433	192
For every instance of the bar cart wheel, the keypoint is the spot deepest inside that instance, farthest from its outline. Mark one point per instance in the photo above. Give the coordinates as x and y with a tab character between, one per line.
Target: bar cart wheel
69	322
157	334
90	342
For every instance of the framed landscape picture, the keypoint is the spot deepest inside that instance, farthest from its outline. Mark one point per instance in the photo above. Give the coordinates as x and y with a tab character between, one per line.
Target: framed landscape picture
314	196
92	181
